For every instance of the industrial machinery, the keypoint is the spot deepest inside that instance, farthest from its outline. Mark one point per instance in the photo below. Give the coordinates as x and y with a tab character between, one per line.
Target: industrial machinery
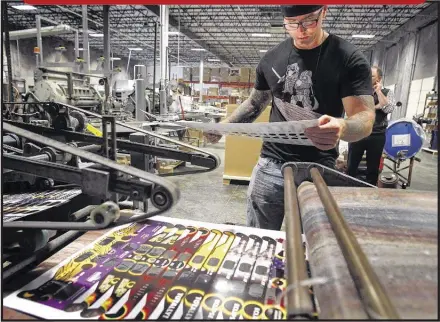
72	89
59	155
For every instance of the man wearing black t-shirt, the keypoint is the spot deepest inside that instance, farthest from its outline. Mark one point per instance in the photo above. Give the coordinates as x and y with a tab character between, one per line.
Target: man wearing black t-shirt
373	144
311	74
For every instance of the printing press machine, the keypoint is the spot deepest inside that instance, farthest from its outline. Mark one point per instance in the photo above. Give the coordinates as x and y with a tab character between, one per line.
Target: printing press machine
372	252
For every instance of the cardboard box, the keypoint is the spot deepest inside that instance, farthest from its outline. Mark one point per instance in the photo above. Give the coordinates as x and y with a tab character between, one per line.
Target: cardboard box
225	91
224	74
195	74
242	153
213	91
206	74
253	74
215	75
244	75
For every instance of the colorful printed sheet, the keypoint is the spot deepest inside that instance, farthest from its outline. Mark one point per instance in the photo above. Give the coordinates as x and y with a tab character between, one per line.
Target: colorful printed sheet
166	268
16	206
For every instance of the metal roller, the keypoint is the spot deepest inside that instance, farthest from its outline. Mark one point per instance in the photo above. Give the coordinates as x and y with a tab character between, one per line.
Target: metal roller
299	303
371	291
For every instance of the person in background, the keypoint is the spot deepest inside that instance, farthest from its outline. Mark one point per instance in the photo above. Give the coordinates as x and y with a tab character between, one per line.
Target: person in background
373	144
310	71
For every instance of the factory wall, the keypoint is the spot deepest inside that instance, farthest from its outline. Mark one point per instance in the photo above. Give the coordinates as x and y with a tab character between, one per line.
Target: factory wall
24	60
408	54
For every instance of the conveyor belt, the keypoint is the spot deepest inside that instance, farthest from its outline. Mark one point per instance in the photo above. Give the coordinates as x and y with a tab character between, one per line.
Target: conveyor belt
397	230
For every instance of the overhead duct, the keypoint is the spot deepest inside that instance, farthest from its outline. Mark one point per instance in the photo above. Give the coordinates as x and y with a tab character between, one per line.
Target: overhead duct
45	31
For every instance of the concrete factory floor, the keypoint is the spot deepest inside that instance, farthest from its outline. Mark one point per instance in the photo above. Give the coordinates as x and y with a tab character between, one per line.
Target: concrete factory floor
204	197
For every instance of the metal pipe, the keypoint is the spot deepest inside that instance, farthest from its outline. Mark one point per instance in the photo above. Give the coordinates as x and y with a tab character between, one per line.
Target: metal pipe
163	62
108	75
47	70
77	48
128	62
44	31
169	64
77	215
105	135
18	58
114	140
39	40
86	54
178	42
299	302
371	291
201	78
154	66
140	100
413	67
5	26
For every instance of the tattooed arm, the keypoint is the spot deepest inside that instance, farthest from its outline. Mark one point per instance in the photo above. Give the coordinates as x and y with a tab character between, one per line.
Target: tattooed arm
247	112
360	112
250	109
358	125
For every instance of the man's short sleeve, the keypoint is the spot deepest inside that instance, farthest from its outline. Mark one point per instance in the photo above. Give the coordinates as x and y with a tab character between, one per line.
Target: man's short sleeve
260	81
356	78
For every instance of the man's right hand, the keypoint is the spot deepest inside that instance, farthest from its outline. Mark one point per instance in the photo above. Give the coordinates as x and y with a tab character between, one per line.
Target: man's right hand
212	138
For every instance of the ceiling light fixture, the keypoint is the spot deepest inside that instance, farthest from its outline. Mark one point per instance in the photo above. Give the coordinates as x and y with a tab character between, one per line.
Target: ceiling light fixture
263	50
80	49
173	33
24	7
363	36
261	35
115	58
198	49
96	35
135	49
212	59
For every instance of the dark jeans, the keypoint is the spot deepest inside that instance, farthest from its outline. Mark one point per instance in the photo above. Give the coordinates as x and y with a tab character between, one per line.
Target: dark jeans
374	146
265	196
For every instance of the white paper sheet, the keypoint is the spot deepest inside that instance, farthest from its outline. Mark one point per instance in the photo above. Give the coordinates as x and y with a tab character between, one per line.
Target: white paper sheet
291	132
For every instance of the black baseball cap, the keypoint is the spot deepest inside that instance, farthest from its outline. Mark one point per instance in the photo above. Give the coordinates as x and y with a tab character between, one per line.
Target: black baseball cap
294	11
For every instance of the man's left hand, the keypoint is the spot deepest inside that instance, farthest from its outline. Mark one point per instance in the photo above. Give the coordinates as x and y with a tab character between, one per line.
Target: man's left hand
326	135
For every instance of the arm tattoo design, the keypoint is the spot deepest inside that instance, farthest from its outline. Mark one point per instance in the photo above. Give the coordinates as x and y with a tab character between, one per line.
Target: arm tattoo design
251	108
360	125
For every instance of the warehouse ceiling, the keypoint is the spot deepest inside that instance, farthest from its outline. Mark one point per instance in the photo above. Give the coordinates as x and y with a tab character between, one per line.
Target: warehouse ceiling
225	32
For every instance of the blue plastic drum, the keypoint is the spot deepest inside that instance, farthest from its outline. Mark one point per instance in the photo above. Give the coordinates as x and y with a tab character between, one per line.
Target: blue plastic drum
404	139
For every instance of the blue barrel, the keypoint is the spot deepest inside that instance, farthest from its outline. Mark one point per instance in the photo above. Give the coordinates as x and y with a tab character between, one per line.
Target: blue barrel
404	139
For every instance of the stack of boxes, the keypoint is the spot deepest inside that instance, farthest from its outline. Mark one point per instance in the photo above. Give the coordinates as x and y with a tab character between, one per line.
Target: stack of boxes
225	75
243	75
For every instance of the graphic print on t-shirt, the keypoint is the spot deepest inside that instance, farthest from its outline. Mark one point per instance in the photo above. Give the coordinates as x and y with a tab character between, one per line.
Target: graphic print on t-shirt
297	88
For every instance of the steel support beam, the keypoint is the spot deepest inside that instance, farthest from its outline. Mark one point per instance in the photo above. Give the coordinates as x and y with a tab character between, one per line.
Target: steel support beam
86	53
156	10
